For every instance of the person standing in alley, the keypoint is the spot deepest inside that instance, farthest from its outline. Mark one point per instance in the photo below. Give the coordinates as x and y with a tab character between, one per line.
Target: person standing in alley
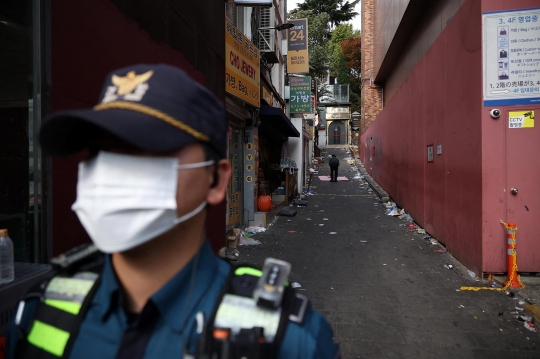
156	160
334	165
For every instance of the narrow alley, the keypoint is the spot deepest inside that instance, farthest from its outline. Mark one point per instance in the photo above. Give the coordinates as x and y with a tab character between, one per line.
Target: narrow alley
386	291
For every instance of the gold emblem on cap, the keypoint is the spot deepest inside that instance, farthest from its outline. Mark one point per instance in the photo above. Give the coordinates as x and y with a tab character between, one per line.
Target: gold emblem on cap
128	83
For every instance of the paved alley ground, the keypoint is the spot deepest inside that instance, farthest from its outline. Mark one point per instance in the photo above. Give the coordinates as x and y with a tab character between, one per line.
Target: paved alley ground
382	287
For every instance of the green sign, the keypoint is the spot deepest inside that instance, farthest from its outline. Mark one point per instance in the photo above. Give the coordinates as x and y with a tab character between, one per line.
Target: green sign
300	96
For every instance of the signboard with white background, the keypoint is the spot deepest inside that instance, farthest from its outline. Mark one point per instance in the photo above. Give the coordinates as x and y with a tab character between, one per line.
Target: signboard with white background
511	57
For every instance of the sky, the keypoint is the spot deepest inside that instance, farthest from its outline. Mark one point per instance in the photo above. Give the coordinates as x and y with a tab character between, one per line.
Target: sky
356	21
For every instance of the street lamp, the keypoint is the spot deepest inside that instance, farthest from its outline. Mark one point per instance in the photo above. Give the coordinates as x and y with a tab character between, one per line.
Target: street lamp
278	27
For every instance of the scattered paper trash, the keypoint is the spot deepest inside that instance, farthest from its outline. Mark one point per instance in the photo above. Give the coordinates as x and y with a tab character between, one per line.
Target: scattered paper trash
471	274
448	266
244	241
292	231
520	309
421	231
440	251
524	318
325	219
406	217
461	306
321	224
392	211
296	285
530	325
332	233
255	229
521	302
363	241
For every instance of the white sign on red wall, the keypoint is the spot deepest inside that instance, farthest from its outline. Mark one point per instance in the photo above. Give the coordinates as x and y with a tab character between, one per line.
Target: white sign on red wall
511	57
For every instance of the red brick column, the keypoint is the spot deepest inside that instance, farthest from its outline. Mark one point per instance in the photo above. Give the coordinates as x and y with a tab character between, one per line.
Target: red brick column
371	94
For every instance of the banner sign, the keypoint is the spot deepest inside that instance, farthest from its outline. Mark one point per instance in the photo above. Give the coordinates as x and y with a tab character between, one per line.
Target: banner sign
300	95
297	47
242	66
511	57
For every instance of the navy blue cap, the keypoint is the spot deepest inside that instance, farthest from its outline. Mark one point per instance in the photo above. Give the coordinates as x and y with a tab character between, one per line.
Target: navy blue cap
157	108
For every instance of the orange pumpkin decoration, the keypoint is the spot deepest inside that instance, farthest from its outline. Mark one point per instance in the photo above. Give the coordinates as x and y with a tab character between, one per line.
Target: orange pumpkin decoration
264	203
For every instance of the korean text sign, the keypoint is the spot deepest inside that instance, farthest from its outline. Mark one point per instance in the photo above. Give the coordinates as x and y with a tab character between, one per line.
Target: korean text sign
242	66
300	96
511	57
297	47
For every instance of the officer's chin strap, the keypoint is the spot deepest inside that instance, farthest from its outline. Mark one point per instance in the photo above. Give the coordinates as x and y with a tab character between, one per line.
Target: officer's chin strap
199	318
188	302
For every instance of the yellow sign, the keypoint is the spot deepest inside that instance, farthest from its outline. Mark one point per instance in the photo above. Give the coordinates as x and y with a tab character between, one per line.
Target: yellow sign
267	96
297	47
242	66
521	119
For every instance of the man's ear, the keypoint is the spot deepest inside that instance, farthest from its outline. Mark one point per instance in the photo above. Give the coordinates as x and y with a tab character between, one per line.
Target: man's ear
218	182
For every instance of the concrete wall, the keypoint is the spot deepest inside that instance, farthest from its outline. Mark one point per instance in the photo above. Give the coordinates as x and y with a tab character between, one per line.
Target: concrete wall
439	104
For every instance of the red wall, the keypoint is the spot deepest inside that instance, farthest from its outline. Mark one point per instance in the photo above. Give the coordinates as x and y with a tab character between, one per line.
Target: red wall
459	198
440	103
88	40
495	175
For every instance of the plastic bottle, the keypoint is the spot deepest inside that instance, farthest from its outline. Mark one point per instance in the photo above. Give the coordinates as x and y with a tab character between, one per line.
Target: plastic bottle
7	265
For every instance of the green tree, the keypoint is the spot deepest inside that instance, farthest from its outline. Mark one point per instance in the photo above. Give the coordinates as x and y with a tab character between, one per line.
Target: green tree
318	31
349	69
340	33
339	11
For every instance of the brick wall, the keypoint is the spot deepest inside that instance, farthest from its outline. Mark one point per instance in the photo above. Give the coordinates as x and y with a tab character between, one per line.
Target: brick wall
371	94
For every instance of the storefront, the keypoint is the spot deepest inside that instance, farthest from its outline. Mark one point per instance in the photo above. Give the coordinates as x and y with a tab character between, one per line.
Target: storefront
242	85
279	170
338	119
24	209
236	116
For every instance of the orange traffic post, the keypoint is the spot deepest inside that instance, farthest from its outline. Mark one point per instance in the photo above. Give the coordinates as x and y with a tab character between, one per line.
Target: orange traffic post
513	277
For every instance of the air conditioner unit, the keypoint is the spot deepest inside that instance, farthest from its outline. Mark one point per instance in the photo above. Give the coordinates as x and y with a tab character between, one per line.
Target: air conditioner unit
267	37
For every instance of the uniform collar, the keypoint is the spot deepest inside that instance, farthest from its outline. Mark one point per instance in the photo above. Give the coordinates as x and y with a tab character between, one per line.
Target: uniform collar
172	298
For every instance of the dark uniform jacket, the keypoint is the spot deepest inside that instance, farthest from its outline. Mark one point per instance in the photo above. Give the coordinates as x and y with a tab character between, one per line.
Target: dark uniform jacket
102	331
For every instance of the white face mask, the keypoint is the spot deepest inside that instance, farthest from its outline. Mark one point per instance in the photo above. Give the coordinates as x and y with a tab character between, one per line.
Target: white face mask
124	201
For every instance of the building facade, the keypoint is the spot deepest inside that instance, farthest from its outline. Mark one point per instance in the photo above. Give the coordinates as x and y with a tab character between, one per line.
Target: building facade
433	140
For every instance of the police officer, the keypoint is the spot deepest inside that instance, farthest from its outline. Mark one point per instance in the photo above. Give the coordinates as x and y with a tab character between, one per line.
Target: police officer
156	147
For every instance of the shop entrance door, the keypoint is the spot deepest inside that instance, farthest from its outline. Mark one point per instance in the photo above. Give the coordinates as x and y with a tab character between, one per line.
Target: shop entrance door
335	131
523	184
